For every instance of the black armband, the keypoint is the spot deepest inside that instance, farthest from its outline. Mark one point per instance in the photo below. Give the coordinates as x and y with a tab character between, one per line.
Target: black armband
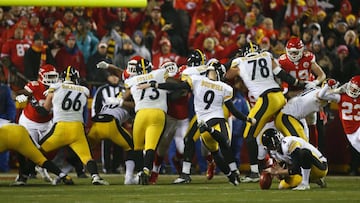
41	110
173	86
284	76
153	84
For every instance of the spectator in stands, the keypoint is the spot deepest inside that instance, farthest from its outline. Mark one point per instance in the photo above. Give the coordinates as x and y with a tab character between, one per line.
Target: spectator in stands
152	26
86	41
36	26
345	67
37	55
125	53
322	59
165	55
70	55
95	75
139	45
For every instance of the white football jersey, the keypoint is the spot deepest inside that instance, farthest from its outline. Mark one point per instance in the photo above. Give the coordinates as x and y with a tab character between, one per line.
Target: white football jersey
256	72
69	101
209	97
290	143
193	70
150	98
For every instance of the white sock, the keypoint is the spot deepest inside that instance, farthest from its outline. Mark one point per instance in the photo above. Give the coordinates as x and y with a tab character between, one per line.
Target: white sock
232	166
305	176
254	168
186	167
130	166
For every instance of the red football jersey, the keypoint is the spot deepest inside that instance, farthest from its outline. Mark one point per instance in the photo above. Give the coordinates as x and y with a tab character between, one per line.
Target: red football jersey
300	70
349	112
15	49
37	89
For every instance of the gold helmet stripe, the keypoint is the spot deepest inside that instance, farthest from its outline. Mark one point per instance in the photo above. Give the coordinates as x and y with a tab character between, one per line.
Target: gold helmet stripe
143	65
67	77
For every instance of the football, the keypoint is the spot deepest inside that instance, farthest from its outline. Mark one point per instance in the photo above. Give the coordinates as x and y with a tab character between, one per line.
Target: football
265	180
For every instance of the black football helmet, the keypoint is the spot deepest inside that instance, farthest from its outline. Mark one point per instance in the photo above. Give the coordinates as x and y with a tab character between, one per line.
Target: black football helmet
196	58
271	139
70	75
249	49
143	66
218	67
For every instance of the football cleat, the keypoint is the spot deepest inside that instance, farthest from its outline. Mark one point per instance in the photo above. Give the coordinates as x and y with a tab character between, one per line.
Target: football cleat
44	174
131	180
211	167
97	180
321	182
143	178
252	178
234	178
153	177
20	180
67	180
302	187
183	178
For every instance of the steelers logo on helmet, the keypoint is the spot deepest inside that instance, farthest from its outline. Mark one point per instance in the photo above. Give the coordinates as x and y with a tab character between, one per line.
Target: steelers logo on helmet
70	75
294	49
271	139
48	74
353	87
196	58
171	67
143	66
250	49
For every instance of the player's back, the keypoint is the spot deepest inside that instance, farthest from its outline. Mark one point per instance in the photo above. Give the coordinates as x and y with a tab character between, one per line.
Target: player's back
290	143
149	98
303	104
69	101
256	72
209	97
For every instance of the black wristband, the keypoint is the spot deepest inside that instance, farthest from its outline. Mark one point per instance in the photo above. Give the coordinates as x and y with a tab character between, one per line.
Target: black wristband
153	84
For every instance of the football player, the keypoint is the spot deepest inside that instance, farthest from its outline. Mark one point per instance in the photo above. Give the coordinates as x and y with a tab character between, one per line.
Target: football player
304	162
291	119
109	115
347	98
68	100
16	137
209	95
257	69
301	64
150	108
30	118
176	124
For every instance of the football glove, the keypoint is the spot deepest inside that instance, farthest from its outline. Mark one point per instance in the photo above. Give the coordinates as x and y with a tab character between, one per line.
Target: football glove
102	65
114	101
21	98
332	83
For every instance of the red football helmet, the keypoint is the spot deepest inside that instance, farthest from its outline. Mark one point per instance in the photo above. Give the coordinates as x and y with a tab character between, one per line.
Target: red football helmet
131	66
353	87
294	49
48	74
171	67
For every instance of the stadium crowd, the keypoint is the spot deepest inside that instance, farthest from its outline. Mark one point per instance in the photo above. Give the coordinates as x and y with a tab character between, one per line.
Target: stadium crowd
106	45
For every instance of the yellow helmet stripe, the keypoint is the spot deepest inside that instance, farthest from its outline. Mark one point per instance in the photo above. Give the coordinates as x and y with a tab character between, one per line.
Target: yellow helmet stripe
251	47
67	77
202	56
143	65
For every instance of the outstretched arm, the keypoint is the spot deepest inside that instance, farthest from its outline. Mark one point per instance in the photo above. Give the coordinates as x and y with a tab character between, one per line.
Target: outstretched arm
238	114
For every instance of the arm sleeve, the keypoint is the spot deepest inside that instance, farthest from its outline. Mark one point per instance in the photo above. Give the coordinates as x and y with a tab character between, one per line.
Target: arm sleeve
174	86
280	73
234	111
324	94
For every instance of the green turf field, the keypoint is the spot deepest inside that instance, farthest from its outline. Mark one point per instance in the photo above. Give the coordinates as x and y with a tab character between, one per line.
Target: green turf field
340	189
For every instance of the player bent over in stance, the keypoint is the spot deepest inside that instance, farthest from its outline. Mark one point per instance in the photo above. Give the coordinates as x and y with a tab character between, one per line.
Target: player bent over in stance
209	95
68	100
16	137
304	162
